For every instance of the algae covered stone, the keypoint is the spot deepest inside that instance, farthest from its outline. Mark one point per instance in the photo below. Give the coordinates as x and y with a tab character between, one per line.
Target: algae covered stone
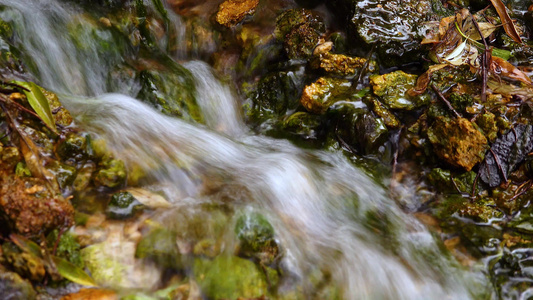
343	65
392	89
321	94
458	142
230	277
300	30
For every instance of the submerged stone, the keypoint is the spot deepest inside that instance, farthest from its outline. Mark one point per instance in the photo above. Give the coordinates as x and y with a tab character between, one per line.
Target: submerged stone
457	142
392	89
304	125
231	12
123	205
230	277
160	246
13	287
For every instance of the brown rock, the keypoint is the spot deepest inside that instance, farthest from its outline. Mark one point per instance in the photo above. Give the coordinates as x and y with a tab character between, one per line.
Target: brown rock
458	142
231	12
31	209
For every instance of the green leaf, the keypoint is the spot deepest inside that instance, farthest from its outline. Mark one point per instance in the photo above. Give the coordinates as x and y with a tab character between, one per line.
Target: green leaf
72	272
26	245
39	103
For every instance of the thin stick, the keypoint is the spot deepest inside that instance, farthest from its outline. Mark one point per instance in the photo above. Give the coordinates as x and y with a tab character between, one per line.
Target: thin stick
484	62
443	99
475	184
523	191
497	160
365	65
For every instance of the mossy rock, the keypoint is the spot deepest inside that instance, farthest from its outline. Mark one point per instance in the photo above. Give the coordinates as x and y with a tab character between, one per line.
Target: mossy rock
392	89
300	31
458	142
172	91
230	277
318	96
13	287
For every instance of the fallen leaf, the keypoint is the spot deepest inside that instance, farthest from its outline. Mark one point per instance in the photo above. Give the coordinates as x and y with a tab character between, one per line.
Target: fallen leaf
39	103
72	272
149	198
507	22
423	80
501	67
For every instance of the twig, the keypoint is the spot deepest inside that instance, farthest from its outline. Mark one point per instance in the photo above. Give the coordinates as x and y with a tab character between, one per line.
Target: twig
443	99
475	184
19	106
523	191
365	65
484	62
497	160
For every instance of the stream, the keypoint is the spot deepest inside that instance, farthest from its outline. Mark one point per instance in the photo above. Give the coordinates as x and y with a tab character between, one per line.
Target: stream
322	208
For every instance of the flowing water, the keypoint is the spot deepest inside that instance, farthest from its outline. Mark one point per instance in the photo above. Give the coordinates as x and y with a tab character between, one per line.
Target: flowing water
320	205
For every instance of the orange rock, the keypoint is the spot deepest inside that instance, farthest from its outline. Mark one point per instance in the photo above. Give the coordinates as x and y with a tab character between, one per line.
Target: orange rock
231	12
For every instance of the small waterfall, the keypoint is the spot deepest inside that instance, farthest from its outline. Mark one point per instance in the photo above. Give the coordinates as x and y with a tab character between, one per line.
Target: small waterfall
307	195
318	203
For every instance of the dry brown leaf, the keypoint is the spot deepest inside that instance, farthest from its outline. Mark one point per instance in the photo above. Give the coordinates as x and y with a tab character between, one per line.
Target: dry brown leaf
92	294
507	22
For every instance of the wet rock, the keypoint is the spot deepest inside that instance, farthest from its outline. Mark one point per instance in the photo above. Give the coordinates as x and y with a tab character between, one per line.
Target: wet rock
232	12
487	123
256	237
171	91
229	277
392	89
343	65
321	94
357	128
388	117
304	125
457	142
30	208
23	263
276	93
396	26
112	264
13	287
300	31
447	182
73	147
123	205
63	173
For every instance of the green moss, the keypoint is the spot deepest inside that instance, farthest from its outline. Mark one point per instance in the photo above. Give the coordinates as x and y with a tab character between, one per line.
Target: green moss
112	173
67	247
324	92
392	90
22	170
229	277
